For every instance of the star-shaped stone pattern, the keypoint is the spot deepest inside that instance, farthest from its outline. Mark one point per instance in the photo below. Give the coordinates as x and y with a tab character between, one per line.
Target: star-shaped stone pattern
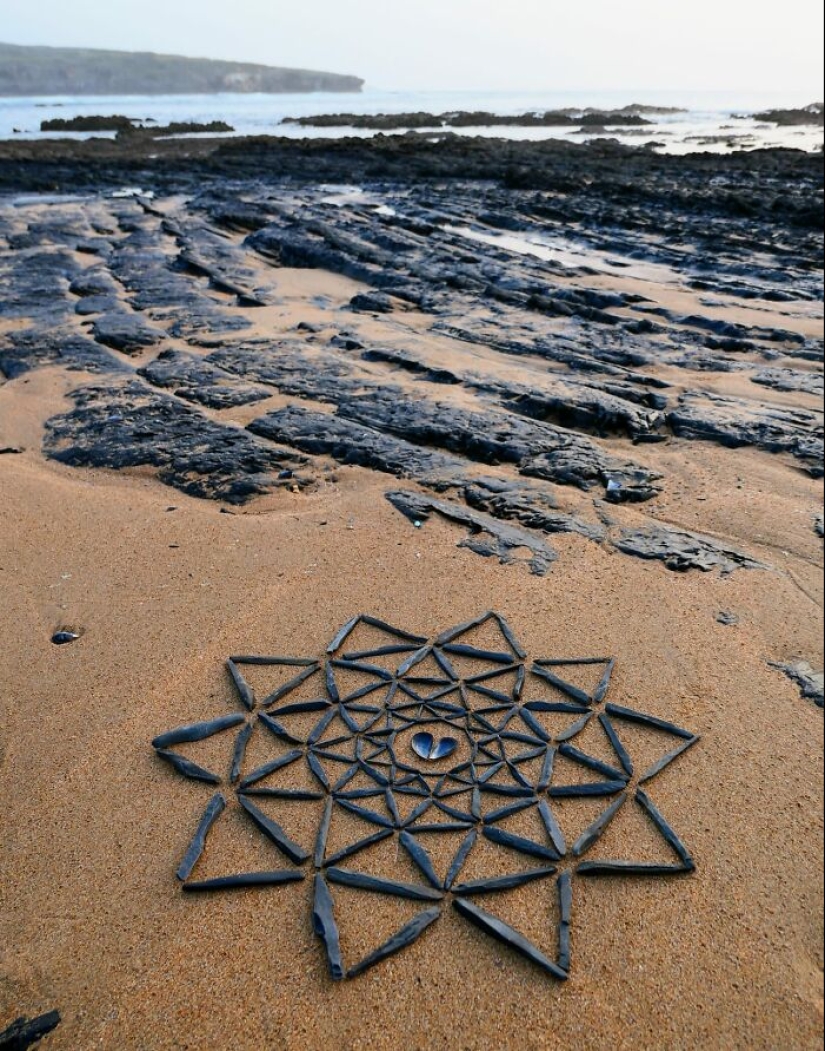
456	751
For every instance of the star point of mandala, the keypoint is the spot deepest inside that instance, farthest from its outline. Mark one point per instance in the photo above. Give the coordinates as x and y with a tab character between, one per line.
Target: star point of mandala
411	738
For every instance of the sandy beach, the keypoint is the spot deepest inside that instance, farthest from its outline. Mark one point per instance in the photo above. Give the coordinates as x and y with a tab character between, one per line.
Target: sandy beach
165	564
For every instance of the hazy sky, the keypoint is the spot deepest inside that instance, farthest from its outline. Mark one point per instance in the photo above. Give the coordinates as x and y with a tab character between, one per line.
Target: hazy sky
444	44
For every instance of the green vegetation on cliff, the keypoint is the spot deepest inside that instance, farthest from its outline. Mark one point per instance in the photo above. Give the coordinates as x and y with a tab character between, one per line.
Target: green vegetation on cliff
77	71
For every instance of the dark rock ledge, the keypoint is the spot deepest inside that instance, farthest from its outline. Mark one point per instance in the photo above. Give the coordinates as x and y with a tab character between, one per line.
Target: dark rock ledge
553	387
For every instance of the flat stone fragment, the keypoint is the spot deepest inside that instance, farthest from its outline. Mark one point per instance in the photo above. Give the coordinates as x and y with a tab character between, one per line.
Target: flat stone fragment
557	706
594	831
214	809
270	768
565	891
553	828
367	669
302	708
273	831
600	692
664	828
318	770
323	922
628	868
578	695
368	815
473	653
355	848
508	935
666	760
526	800
197	731
421	859
239	752
361	881
383	651
618	747
578	756
520	843
187	767
265	662
648	720
296	795
408	934
461	857
598	788
245	881
282	691
323	834
277	729
417	657
566	662
496	884
244	691
453	633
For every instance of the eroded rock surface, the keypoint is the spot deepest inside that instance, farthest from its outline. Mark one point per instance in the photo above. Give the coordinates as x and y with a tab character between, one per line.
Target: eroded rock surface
132	426
515	329
681	550
194	379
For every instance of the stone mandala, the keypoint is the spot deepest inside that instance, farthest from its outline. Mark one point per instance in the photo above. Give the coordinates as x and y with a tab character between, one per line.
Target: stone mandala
421	741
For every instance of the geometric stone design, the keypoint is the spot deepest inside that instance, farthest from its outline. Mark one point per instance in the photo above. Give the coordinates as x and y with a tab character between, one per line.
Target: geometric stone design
420	741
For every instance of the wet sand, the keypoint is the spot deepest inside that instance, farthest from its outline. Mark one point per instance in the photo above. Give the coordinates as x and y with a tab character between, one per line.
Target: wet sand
94	825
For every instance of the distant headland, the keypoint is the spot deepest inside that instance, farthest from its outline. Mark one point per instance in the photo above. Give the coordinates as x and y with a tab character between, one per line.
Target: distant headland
26	71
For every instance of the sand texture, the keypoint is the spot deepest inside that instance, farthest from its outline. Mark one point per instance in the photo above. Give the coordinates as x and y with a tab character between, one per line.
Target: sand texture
198	466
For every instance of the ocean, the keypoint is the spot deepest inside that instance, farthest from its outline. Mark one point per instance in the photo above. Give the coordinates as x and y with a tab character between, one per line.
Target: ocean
712	121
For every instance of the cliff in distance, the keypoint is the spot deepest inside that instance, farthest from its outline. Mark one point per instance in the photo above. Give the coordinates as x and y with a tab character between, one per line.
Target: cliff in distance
28	71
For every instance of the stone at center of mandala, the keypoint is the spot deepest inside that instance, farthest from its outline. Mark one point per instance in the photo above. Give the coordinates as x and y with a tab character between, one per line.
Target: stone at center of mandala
426	747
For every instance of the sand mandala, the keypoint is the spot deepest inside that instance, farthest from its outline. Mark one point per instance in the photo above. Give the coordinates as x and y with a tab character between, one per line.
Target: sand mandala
411	744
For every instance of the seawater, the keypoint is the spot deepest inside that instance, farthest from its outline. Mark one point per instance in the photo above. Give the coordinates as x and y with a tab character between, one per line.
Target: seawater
708	115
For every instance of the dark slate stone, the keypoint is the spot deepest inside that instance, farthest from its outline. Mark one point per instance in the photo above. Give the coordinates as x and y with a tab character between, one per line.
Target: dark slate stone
32	348
192	378
24	1032
128	333
735	422
132	426
487	537
682	551
809	681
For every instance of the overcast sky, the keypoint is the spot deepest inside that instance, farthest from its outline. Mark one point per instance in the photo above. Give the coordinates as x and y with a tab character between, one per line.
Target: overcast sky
472	44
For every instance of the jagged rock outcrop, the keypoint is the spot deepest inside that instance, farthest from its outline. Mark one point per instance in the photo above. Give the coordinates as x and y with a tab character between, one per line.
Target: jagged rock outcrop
516	386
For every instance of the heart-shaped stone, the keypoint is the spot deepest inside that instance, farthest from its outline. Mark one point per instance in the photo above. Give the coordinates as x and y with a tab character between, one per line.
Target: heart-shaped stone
426	747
